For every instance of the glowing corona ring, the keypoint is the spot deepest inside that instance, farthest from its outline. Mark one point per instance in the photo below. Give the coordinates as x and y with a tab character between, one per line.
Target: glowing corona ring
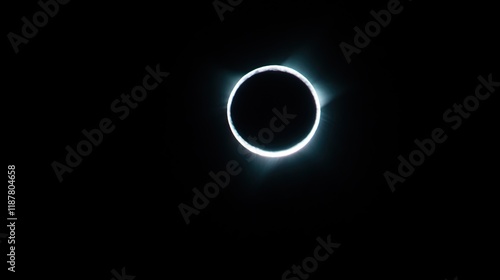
282	153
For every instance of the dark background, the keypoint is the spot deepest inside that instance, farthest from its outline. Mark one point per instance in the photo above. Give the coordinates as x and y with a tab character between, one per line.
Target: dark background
119	208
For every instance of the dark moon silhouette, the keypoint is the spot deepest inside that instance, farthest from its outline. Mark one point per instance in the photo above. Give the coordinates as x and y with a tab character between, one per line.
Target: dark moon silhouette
273	110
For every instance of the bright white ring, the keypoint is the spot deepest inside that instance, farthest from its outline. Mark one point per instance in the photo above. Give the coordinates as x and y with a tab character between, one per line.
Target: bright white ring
288	151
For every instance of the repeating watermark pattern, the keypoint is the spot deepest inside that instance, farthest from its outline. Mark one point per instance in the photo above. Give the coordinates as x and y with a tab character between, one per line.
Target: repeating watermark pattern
372	29
310	264
29	30
453	117
121	276
221	179
223	7
120	106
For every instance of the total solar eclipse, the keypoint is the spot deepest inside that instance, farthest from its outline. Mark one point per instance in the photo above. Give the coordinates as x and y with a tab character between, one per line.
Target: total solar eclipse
273	111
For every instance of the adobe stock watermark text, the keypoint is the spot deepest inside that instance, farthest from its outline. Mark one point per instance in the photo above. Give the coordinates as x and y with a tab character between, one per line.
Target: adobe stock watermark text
121	107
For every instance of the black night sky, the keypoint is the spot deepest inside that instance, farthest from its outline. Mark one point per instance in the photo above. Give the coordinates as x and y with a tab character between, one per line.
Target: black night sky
117	126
